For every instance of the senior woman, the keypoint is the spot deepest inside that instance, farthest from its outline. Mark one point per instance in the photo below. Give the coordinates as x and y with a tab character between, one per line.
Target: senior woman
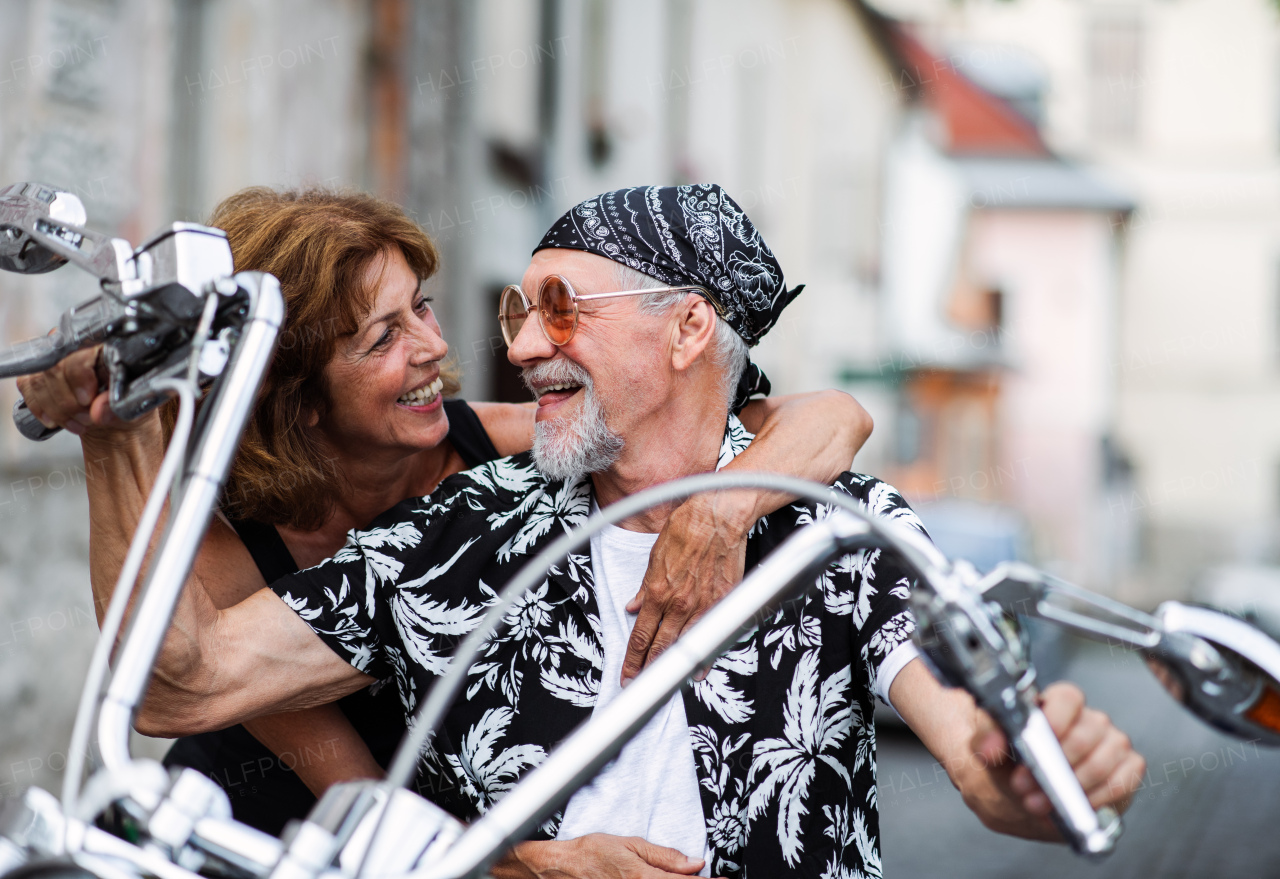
350	420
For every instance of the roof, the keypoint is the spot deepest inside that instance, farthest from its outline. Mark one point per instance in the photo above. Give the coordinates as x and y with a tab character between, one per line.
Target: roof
974	122
1034	183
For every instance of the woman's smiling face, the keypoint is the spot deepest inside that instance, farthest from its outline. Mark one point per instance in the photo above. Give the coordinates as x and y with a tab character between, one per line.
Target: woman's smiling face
384	381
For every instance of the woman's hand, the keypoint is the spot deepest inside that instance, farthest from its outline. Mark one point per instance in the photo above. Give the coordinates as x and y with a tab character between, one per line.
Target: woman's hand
698	558
701	551
66	395
596	855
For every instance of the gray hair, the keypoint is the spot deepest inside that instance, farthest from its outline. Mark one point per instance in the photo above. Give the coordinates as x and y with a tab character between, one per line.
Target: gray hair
728	349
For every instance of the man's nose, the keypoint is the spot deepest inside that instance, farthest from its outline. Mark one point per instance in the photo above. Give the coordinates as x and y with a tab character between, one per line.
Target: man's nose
530	344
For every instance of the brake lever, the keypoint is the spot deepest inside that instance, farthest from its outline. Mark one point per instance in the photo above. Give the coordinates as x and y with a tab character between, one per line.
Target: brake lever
971	643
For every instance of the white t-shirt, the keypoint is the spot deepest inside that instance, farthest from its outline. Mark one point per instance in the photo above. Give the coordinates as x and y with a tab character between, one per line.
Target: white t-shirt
651	788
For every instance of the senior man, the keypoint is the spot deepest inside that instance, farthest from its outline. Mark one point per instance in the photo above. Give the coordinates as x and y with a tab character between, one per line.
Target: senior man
646	300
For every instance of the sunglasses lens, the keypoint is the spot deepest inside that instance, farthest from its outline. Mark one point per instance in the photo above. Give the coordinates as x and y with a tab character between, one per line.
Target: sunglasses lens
511	313
557	309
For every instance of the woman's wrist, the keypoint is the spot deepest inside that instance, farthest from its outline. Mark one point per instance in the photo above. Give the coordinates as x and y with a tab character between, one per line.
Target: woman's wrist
123	437
730	514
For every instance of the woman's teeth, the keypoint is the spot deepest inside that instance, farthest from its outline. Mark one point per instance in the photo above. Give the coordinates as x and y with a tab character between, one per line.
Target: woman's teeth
422	396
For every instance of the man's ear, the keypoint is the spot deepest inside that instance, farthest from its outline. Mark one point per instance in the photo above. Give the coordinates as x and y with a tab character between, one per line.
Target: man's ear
695	327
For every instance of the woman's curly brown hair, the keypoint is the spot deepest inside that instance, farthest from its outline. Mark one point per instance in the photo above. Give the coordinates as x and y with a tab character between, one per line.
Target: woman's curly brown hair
319	244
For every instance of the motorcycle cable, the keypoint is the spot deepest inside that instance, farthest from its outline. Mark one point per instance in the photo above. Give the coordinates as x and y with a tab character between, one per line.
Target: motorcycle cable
126	583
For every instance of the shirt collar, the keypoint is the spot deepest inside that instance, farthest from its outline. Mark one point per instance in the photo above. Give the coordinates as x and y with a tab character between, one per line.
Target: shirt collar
736	440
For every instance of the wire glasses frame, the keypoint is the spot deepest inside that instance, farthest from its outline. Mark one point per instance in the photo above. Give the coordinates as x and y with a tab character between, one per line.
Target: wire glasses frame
557	307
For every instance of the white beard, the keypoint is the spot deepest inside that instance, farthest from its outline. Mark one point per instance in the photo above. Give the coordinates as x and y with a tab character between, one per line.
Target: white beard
569	448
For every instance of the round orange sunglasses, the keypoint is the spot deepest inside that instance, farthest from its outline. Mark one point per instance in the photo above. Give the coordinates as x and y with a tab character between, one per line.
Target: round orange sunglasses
557	307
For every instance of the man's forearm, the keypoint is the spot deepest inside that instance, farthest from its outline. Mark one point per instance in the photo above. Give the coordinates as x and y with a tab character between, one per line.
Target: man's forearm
977	758
945	719
219	667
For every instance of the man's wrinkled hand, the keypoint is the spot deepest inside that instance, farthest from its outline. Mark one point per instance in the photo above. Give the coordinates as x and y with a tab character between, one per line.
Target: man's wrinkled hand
1105	763
596	855
66	395
699	556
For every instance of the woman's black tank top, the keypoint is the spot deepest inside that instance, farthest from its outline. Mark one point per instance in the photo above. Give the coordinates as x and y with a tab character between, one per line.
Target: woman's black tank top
264	790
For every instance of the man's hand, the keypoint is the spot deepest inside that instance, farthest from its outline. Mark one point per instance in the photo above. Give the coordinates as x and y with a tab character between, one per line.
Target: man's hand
1107	766
66	395
596	855
698	558
976	755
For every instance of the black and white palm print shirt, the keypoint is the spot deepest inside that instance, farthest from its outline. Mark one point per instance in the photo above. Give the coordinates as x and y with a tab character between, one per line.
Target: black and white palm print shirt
781	727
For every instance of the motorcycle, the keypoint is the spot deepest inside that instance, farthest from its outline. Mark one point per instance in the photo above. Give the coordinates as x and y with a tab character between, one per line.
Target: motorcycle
175	320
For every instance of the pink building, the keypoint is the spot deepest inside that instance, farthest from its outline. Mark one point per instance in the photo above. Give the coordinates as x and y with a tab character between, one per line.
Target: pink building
1000	267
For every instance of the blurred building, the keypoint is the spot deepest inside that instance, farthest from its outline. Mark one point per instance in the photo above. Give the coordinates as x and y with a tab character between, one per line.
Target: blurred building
999	287
1178	104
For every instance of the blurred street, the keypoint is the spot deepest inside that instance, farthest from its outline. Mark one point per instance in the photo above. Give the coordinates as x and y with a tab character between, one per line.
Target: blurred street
1207	807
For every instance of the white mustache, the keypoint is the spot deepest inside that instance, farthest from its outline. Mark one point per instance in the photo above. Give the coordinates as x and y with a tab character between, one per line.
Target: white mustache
555	372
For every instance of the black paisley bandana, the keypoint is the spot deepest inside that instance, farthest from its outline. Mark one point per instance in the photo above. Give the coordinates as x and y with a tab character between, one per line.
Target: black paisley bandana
687	235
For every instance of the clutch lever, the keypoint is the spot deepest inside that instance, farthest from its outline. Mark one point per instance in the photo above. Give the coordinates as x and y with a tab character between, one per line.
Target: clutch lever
1021	589
971	643
149	326
81	326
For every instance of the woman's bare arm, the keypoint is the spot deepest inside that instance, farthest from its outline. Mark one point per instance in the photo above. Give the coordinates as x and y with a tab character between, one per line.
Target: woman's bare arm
701	553
831	426
509	425
324	729
121	464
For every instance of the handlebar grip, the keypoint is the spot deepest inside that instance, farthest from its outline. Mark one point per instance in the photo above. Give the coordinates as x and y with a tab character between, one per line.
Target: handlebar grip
1089	832
30	426
33	355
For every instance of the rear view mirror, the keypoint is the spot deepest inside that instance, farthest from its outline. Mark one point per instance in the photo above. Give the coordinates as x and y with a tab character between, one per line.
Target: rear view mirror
1222	669
24	206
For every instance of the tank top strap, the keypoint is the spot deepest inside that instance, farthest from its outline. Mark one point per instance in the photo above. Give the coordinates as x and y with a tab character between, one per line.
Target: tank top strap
267	547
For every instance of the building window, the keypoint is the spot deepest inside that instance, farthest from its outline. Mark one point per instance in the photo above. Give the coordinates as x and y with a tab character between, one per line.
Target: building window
1275	322
1115	76
595	81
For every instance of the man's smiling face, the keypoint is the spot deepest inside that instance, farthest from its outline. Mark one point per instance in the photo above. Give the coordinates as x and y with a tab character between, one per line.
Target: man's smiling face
596	389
